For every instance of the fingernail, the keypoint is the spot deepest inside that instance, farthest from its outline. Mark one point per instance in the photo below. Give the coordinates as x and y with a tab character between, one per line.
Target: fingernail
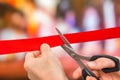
91	64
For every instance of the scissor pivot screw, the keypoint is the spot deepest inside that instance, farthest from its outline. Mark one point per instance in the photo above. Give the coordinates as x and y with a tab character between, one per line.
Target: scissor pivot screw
72	55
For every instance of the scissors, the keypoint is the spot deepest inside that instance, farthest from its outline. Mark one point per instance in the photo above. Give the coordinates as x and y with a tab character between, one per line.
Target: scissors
85	70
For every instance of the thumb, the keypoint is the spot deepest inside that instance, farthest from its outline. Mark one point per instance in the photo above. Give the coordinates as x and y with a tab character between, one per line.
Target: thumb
101	63
45	49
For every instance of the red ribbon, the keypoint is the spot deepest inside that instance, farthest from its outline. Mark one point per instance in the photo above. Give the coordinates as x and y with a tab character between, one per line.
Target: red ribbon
22	45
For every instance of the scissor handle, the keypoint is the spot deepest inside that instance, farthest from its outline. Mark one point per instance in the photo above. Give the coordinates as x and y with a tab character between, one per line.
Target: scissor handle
108	70
86	72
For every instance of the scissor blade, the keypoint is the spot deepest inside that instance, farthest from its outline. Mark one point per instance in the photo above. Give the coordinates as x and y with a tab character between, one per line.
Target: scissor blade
86	71
63	38
73	54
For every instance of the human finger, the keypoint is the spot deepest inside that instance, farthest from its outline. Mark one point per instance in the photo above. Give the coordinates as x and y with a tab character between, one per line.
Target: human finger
45	49
36	54
77	73
29	56
101	63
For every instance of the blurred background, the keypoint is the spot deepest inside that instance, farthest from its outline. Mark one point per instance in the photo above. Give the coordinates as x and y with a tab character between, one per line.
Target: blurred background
37	18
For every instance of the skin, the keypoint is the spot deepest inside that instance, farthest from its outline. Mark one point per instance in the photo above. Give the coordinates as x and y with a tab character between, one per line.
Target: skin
44	65
96	67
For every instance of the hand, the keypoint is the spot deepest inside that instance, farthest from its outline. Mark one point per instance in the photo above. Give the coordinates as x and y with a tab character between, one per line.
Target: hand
97	66
44	66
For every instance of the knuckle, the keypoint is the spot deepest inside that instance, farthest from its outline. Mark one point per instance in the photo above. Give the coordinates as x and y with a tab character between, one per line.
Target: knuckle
27	65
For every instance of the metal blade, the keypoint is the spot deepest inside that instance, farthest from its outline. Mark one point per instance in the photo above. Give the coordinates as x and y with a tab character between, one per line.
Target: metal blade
63	38
73	54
